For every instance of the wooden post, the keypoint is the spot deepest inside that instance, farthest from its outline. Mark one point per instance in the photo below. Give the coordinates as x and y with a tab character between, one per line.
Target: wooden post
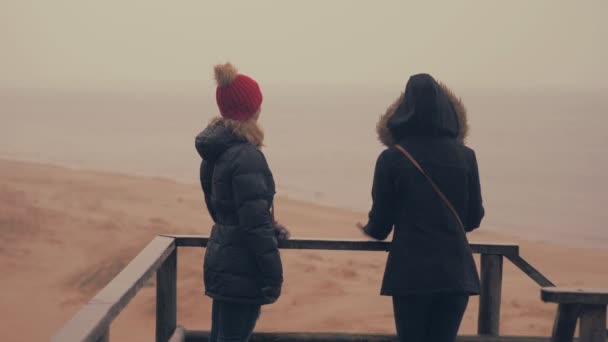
488	322
105	337
565	322
166	298
593	323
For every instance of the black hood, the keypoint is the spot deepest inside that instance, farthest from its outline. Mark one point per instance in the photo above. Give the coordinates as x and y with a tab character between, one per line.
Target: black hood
425	111
214	140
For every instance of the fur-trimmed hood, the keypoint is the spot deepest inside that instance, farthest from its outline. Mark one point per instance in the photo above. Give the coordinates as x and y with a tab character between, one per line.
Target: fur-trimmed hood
387	137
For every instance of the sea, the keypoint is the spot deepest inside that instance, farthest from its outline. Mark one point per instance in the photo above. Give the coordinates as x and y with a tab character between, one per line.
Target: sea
541	152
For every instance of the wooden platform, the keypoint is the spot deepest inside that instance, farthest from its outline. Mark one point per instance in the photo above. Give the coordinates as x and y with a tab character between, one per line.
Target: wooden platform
203	336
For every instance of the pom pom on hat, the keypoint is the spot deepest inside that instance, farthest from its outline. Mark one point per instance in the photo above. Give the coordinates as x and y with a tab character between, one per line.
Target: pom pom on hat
225	74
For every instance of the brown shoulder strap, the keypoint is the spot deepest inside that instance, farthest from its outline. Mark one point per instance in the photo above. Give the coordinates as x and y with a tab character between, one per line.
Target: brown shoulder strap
439	192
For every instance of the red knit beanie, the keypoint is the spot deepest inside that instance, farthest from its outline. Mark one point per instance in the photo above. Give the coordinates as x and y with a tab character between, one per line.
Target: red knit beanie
238	96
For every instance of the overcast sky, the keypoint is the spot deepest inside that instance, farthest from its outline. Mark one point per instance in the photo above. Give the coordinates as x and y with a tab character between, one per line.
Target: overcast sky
515	43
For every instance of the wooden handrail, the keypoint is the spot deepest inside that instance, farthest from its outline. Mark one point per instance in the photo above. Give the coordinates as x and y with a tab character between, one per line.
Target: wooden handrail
528	269
586	305
346	245
91	323
575	295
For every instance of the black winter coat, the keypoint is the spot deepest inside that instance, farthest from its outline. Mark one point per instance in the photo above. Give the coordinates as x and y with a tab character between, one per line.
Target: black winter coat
242	262
429	252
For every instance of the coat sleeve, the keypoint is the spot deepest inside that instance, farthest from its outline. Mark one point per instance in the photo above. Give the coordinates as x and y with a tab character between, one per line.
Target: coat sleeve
253	193
382	215
476	210
206	176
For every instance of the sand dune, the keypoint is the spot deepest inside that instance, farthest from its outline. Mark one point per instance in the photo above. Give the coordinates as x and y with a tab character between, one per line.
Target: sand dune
66	233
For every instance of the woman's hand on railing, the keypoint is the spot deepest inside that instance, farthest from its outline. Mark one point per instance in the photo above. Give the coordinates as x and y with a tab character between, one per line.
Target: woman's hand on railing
361	228
281	232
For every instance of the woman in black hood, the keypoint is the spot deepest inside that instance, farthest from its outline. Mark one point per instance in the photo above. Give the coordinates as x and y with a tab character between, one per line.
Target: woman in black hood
430	271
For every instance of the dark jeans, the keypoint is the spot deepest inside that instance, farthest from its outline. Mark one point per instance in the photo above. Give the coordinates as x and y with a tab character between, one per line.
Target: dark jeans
429	317
231	322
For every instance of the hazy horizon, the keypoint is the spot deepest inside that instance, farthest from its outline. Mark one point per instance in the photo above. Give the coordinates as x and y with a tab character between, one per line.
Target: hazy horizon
201	88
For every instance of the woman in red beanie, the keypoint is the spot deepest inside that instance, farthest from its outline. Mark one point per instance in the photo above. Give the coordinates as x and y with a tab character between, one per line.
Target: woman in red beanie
242	268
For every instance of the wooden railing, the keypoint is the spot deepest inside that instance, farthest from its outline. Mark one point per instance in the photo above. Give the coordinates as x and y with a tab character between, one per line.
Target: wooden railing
92	322
586	305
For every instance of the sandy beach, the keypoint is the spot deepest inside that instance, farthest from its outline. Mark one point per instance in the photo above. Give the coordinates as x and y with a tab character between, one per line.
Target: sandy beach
66	233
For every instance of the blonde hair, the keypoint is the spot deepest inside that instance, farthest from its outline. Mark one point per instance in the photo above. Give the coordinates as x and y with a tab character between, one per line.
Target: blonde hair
249	130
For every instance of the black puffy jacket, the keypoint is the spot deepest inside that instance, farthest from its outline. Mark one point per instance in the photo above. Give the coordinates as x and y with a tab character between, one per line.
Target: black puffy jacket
242	261
429	252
